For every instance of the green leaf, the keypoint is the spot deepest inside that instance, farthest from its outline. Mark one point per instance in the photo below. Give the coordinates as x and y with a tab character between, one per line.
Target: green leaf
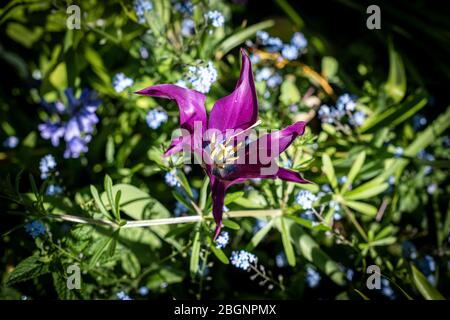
109	193
361	294
424	287
362	207
130	264
239	37
328	169
99	249
366	191
185	183
309	224
285	237
256	239
117	203
395	86
354	170
233	197
31	267
218	252
203	193
99	202
230	224
291	13
60	284
330	67
195	254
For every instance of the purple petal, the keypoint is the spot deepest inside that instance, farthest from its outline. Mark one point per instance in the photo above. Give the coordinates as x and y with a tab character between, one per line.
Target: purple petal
218	188
239	110
191	103
289	175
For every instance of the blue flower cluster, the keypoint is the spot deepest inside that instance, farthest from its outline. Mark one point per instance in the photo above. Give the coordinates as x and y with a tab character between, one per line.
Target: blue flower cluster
121	82
11	142
35	228
185	7
202	77
75	124
54	190
386	289
289	51
242	259
216	18
156	117
272	78
123	296
305	199
427	265
345	108
222	240
171	180
47	166
141	7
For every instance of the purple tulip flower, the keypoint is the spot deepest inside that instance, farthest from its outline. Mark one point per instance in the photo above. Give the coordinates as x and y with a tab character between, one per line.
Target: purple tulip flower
235	158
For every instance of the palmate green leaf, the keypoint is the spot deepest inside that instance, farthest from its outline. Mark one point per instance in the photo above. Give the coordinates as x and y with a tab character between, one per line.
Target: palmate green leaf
362	207
395	86
257	238
287	244
328	169
424	287
354	170
29	268
195	254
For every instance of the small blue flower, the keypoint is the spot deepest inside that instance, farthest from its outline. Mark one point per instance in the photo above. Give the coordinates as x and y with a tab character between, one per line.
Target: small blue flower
260	223
262	36
312	277
419	122
274	44
35	228
144	53
121	82
180	209
171	180
289	52
187	27
202	77
280	260
242	259
47	165
123	296
263	74
432	188
143	291
386	289
155	118
54	190
326	188
358	118
398	152
217	19
141	7
274	81
299	41
184	6
346	102
222	240
349	273
305	199
11	142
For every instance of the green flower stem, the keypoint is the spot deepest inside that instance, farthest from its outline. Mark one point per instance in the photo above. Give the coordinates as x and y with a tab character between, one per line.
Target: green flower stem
166	221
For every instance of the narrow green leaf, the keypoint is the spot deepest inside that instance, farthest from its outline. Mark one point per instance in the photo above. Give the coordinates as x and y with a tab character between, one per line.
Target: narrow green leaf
362	294
230	224
218	252
108	189
195	254
99	202
328	169
117	204
203	193
256	239
395	86
424	287
102	246
354	170
288	248
363	192
185	183
362	207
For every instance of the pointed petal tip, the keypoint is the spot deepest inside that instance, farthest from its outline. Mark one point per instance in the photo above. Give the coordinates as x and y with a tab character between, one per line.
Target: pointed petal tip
217	231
